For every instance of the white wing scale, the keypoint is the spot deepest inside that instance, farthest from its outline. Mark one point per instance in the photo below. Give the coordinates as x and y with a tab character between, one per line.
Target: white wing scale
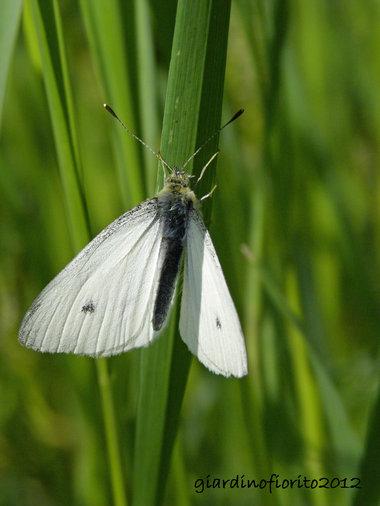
209	324
102	303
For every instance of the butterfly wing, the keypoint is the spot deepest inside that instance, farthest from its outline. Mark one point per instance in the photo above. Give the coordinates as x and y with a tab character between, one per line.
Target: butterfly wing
102	302
209	324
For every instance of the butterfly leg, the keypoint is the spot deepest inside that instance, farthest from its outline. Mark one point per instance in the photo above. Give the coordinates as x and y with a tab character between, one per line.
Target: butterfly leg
208	194
205	167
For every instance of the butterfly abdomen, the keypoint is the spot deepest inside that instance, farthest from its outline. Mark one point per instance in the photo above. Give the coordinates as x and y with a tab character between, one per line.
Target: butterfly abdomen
174	212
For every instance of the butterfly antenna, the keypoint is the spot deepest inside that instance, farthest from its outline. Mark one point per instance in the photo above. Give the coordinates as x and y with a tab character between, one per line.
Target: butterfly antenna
109	109
235	116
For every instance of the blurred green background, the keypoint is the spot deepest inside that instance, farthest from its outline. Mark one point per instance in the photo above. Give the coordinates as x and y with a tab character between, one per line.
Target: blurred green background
296	223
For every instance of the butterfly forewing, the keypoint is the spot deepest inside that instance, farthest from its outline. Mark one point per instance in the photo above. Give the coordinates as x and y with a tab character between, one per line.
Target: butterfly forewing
102	302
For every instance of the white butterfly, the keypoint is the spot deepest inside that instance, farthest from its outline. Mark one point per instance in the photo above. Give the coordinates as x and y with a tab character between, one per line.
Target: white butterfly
115	295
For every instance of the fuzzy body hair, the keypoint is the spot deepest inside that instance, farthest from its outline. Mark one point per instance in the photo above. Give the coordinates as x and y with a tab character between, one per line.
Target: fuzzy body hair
175	201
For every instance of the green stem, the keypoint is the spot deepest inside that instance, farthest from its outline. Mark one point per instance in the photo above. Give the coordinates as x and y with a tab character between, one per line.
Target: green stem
111	432
192	112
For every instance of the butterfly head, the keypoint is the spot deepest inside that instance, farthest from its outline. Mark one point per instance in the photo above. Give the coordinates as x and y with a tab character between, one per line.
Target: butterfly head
178	184
178	181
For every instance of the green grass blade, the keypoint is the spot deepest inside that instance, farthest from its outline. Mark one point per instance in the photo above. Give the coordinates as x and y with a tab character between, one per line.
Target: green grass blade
48	24
103	22
192	112
147	76
369	494
59	98
111	433
9	23
310	421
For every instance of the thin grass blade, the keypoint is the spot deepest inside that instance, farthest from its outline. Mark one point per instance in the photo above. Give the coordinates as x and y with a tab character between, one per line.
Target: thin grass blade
105	31
9	23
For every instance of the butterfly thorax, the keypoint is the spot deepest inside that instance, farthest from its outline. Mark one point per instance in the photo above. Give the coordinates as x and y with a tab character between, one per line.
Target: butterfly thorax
175	201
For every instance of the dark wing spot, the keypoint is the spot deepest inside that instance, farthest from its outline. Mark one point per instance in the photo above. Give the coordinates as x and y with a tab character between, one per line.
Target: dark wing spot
218	324
89	307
